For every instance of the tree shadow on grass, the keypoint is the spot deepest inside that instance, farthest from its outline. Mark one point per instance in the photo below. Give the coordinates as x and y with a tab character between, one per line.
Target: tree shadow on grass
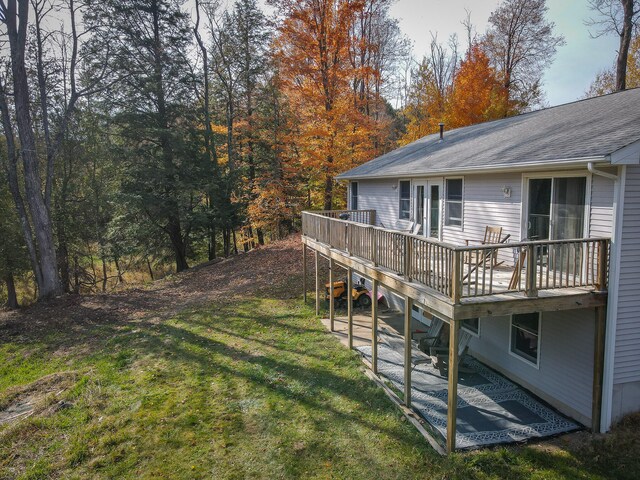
316	374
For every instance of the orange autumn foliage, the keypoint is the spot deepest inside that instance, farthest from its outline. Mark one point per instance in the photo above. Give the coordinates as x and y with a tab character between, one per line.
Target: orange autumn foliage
477	94
329	133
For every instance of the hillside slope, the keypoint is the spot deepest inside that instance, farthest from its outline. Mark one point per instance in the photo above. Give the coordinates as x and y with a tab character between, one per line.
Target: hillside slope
275	268
222	372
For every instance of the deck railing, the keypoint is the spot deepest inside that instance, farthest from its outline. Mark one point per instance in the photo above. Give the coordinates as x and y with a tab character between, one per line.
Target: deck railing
464	271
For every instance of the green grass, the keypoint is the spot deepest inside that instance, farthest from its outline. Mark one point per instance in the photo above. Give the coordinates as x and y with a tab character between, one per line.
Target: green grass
251	388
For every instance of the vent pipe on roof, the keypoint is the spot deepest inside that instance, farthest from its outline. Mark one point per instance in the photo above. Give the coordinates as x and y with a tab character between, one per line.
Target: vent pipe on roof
441	125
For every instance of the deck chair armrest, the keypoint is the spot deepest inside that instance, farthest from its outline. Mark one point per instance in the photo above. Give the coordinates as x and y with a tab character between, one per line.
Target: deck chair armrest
436	351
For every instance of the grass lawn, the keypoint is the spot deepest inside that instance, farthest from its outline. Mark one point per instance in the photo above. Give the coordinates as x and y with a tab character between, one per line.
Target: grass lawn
233	388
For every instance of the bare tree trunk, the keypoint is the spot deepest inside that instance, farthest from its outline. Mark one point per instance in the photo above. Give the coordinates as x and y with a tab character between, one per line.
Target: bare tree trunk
12	175
104	274
63	258
212	242
225	242
625	41
150	269
235	241
50	284
12	297
118	269
76	275
328	191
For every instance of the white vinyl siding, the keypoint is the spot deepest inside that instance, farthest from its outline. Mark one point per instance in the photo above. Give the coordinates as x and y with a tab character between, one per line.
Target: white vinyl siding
601	221
565	366
485	204
627	351
381	196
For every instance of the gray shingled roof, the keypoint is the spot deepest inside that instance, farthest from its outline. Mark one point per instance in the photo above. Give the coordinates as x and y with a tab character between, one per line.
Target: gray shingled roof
583	130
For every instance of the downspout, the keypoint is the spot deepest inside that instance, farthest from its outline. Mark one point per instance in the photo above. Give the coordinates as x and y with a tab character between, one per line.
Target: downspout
612	302
593	170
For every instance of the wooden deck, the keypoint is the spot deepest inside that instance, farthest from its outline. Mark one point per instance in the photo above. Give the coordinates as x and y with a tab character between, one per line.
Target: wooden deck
460	282
464	281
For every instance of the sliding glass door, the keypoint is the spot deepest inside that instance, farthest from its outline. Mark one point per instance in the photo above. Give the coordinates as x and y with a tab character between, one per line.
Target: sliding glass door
556	211
556	208
568	207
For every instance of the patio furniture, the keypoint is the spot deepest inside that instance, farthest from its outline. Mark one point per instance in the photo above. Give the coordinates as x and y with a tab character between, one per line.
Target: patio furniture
396	343
485	257
430	337
440	354
514	284
492	235
413	229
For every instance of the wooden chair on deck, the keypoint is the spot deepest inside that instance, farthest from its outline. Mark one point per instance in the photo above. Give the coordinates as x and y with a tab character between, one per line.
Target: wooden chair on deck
514	284
488	257
414	228
492	236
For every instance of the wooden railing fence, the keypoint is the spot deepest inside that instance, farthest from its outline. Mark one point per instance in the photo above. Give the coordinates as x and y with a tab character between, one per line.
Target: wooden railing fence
463	271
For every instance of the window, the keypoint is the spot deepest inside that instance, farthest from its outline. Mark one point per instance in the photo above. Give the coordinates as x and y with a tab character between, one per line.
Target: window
525	336
472	325
453	206
405	199
354	195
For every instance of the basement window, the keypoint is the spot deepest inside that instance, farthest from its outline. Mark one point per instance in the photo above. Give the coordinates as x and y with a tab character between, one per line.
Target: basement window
472	325
525	336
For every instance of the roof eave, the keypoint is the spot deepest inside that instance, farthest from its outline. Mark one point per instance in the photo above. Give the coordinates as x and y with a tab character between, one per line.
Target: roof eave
558	164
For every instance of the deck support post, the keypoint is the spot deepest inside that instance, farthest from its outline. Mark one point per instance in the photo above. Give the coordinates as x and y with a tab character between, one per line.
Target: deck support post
350	307
598	368
332	303
304	273
408	304
374	325
317	260
452	396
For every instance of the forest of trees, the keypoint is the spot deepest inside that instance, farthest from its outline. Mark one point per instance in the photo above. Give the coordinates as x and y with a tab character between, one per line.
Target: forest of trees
139	137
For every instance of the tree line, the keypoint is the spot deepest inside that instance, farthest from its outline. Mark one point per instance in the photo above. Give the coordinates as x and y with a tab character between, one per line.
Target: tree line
141	134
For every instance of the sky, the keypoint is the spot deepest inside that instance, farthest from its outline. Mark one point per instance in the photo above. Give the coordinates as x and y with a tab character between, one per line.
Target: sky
576	63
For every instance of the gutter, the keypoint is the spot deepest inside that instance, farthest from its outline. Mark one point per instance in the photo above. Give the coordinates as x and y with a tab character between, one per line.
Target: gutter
600	173
546	165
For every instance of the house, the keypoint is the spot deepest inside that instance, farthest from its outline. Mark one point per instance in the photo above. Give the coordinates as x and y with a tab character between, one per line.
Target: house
554	307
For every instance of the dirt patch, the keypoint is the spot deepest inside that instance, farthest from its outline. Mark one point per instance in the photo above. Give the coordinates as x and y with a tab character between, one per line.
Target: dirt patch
275	269
42	395
568	442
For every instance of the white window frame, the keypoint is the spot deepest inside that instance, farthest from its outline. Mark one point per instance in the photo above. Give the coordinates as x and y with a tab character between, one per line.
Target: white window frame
446	203
408	219
535	365
475	334
524	203
351	195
